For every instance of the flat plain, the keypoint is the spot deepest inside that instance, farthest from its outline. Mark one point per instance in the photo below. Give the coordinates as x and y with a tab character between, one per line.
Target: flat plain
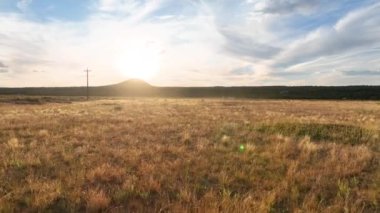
189	155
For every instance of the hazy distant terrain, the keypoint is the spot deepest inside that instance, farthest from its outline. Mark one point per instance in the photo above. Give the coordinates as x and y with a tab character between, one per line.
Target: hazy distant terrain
188	155
137	88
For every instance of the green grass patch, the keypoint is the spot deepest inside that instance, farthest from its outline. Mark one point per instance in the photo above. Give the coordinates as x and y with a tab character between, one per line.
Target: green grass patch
346	134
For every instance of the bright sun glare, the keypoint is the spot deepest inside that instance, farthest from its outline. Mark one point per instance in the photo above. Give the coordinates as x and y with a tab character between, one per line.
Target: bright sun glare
141	62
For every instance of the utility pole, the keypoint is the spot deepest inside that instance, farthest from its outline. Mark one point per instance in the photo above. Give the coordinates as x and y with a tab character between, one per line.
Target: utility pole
87	71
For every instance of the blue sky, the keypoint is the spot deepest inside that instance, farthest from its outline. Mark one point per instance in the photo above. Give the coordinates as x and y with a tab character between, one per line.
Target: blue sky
190	42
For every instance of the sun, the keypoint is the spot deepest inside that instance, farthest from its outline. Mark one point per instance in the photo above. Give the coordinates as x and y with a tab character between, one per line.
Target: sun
141	62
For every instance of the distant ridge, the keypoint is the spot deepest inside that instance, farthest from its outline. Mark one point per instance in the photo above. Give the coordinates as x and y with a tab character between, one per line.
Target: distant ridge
139	88
133	83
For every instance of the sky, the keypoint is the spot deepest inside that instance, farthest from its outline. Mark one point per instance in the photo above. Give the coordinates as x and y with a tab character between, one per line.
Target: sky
190	42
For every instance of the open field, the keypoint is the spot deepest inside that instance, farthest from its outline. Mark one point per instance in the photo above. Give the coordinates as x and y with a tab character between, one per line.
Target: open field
190	155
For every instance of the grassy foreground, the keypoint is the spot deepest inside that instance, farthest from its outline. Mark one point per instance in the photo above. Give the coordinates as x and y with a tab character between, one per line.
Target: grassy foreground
190	155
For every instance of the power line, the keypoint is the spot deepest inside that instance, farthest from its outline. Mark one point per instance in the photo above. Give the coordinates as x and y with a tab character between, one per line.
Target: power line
87	92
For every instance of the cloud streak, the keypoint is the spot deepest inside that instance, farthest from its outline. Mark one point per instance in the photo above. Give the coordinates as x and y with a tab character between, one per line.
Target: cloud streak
248	69
285	6
362	73
3	68
248	48
2	65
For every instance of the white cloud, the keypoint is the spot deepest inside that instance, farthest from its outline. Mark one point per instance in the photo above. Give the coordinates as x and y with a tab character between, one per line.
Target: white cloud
23	4
340	39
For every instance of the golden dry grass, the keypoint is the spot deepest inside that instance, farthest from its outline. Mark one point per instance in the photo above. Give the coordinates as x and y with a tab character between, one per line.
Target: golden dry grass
190	155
